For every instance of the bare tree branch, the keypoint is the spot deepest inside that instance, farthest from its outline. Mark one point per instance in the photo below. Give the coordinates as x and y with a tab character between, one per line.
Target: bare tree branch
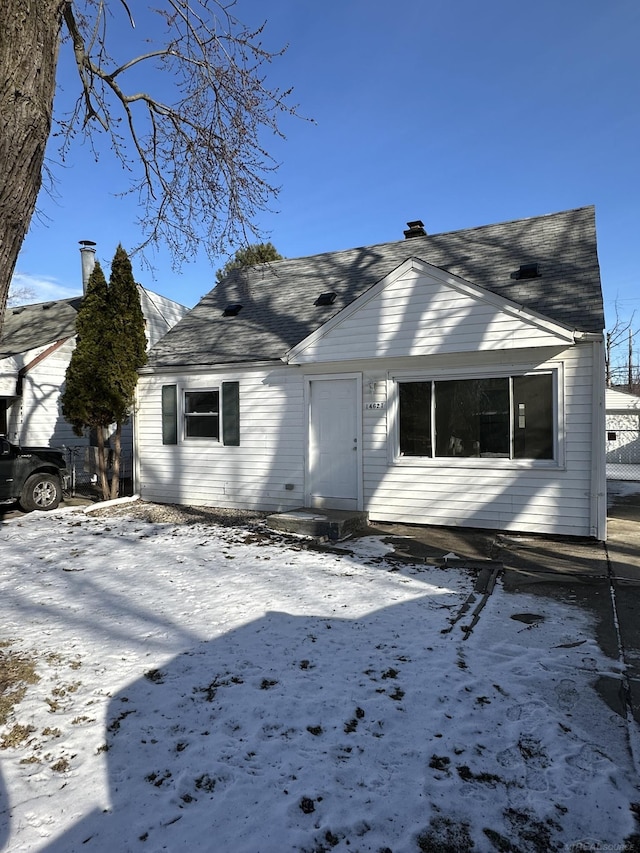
133	24
618	352
195	155
20	294
185	112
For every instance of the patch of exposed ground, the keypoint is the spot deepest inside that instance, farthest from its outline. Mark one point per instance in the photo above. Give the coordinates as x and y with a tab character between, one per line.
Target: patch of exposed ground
175	514
17	672
17	675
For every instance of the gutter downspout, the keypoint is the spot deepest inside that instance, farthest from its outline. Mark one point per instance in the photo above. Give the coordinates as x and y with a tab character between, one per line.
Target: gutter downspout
135	467
598	521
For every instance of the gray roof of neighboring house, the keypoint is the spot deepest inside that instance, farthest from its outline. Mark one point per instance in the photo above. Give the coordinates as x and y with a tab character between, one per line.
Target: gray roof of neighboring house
278	298
28	327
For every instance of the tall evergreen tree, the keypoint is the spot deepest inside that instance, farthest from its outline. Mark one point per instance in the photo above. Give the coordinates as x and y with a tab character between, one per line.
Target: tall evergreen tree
102	374
129	347
86	400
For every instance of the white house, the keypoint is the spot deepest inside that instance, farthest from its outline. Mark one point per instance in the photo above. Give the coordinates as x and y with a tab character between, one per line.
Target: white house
623	435
35	349
453	379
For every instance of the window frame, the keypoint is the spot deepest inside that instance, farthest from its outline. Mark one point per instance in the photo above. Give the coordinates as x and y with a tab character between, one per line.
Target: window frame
487	463
184	415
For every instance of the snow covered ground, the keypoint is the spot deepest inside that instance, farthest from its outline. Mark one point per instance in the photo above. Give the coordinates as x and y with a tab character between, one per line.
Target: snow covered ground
213	688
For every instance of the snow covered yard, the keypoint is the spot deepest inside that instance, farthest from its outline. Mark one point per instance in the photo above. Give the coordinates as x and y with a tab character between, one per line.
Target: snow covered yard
206	687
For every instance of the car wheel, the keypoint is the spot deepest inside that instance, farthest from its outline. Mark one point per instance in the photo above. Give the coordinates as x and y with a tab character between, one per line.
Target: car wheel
41	491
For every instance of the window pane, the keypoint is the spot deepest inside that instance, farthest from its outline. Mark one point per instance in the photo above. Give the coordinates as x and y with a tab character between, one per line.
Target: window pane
415	418
231	414
201	402
202	426
169	414
533	416
472	417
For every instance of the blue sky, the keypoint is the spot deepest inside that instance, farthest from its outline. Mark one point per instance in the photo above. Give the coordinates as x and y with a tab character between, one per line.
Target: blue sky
456	112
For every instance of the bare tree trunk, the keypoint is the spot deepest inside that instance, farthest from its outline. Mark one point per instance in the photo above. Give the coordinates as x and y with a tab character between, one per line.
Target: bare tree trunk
29	41
102	465
115	471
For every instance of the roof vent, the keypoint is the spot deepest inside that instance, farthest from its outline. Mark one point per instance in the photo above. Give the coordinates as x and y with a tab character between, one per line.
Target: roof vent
47	305
527	271
232	310
415	229
326	298
19	310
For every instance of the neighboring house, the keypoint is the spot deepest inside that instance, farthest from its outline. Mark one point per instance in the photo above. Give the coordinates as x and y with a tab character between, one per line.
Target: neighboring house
35	350
623	435
453	379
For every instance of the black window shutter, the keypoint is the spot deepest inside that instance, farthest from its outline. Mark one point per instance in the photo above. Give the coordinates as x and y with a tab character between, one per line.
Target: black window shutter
169	414
231	413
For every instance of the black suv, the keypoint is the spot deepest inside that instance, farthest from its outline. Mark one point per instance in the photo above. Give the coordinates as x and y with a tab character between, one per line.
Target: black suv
34	476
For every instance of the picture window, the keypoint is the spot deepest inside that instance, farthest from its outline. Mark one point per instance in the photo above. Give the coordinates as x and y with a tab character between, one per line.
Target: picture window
509	417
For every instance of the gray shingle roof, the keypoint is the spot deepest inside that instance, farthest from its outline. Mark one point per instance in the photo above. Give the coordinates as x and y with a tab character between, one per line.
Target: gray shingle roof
28	327
31	326
278	298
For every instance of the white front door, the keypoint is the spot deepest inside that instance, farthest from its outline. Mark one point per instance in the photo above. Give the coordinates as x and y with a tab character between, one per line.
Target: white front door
334	445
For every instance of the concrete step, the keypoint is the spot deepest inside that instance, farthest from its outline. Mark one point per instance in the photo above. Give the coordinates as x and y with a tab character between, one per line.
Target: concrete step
319	523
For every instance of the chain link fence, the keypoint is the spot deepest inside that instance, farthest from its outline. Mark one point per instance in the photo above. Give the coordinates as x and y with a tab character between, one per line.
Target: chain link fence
623	454
82	462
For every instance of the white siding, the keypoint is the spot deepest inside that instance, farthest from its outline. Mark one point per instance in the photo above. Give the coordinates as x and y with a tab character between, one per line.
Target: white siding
422	324
621	401
499	494
623	438
417	314
8	372
36	417
491	493
205	472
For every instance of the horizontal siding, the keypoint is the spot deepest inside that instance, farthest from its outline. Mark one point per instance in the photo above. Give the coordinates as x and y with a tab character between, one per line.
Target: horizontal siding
553	500
40	420
36	418
8	371
542	500
417	315
618	402
202	472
